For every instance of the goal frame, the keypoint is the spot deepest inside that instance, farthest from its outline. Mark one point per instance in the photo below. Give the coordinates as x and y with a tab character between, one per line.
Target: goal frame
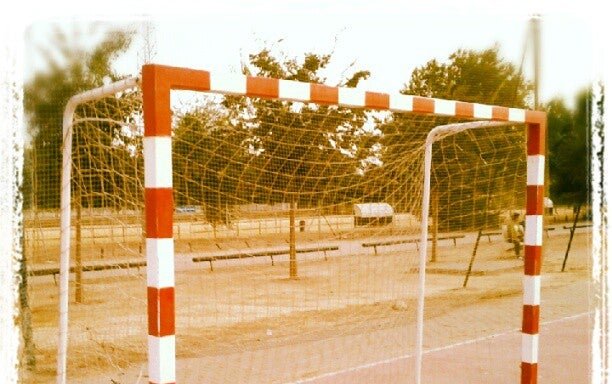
158	81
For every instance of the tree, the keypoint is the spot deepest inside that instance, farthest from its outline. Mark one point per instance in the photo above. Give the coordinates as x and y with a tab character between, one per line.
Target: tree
299	150
70	69
471	76
210	156
568	148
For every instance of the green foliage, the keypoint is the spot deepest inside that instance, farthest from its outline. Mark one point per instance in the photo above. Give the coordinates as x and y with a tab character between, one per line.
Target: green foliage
568	149
303	140
210	156
297	142
472	76
238	150
70	69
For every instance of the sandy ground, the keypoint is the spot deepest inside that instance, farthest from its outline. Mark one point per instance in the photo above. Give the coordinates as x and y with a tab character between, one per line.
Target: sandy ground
247	322
488	359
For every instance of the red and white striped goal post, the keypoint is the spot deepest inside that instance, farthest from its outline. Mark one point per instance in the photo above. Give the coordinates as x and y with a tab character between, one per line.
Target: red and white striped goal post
159	80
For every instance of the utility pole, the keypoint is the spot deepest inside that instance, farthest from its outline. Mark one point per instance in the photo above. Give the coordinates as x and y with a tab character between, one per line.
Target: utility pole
535	35
149	45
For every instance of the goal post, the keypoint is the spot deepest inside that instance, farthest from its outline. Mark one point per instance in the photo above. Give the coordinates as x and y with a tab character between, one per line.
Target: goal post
226	179
436	134
533	231
66	209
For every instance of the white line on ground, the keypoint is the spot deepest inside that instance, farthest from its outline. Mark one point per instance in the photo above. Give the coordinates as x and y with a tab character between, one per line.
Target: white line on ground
479	339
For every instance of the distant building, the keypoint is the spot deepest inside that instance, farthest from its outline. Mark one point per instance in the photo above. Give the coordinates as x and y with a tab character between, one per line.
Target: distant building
373	214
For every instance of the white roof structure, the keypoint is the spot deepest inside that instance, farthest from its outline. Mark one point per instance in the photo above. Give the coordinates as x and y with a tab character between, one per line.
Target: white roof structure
373	210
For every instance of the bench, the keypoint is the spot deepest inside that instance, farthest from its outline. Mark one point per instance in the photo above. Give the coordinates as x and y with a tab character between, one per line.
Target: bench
489	234
44	271
579	226
416	241
268	253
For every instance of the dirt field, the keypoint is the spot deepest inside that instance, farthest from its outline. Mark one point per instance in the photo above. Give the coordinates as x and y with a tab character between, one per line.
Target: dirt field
471	362
246	322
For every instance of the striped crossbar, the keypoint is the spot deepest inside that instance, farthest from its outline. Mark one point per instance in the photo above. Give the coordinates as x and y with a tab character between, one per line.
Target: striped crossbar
158	81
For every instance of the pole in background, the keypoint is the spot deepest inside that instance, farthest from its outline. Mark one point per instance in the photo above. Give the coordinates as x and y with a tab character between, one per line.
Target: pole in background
78	293
569	243
292	258
469	270
434	223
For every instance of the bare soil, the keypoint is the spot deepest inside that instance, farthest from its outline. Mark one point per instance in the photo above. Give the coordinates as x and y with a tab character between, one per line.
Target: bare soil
248	322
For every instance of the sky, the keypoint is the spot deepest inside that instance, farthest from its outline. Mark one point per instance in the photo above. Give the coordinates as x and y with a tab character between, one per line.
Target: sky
389	41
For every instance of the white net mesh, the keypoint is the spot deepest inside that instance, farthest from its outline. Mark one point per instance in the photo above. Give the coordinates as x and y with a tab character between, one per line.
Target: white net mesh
243	169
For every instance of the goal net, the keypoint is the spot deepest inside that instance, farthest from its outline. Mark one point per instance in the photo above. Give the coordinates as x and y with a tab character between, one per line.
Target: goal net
295	223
